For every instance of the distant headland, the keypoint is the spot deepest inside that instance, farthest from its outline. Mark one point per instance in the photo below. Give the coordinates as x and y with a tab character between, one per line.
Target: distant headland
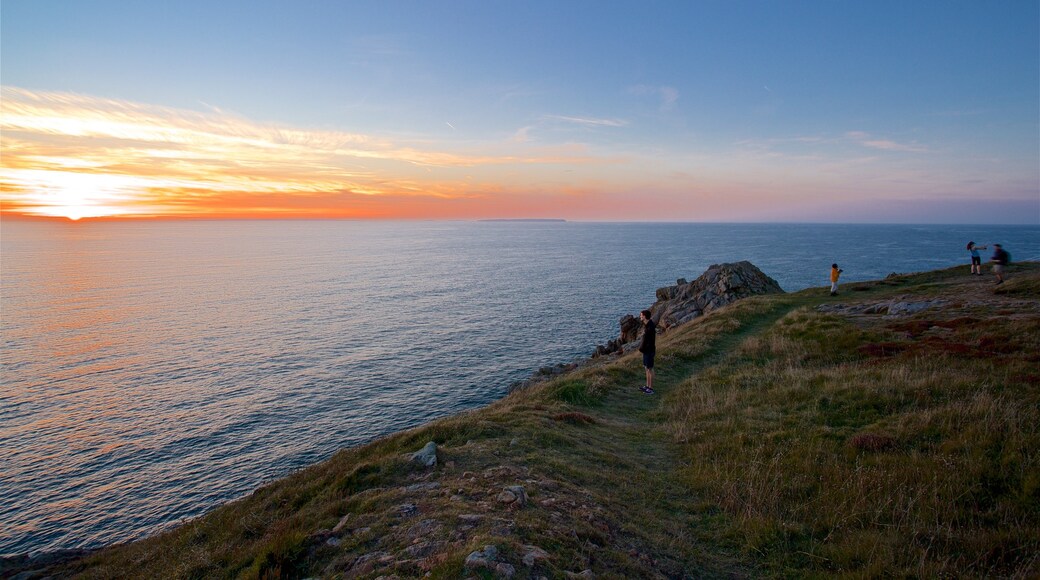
536	220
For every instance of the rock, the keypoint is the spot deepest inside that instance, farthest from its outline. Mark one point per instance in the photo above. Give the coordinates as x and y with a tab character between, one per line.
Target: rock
521	495
718	286
514	442
503	570
342	524
366	563
532	554
408	509
630	328
513	495
424	549
506	497
423	528
423	486
333	541
483	558
427	456
472	519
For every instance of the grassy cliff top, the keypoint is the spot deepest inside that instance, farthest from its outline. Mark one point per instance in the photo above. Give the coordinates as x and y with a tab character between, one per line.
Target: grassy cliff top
891	430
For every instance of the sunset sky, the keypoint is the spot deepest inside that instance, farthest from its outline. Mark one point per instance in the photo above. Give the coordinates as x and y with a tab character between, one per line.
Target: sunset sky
830	111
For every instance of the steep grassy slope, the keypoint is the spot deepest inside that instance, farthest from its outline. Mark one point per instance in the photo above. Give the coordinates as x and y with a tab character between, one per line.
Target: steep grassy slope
785	440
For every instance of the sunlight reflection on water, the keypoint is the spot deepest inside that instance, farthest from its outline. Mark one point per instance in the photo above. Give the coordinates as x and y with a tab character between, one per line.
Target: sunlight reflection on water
154	370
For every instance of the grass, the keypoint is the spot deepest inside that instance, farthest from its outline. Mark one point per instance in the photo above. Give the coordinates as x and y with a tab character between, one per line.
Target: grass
784	441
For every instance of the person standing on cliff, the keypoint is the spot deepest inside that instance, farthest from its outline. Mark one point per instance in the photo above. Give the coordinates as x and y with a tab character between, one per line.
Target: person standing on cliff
835	274
976	259
1000	260
648	347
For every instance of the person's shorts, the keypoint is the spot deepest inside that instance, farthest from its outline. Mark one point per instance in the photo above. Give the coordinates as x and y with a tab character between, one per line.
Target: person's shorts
648	360
998	268
976	261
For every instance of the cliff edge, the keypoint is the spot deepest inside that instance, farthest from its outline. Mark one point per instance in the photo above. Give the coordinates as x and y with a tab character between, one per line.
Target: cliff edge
887	431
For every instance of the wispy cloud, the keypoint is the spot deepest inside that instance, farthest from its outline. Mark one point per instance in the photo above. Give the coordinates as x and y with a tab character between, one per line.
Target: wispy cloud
587	121
868	140
81	156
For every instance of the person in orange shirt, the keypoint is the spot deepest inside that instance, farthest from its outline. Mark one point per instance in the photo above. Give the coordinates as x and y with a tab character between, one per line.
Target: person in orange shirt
835	274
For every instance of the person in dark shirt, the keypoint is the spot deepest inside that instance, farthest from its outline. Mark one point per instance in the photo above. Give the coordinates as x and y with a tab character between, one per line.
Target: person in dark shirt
649	348
1000	260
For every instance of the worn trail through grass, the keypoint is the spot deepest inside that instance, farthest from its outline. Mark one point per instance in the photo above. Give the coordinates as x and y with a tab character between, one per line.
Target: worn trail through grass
633	426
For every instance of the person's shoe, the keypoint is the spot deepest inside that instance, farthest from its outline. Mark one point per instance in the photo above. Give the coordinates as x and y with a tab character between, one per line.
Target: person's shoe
647	390
999	282
834	293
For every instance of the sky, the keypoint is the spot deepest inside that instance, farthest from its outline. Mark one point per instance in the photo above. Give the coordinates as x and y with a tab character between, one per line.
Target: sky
824	111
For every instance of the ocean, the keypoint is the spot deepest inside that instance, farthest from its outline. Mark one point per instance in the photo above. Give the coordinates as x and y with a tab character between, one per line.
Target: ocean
150	371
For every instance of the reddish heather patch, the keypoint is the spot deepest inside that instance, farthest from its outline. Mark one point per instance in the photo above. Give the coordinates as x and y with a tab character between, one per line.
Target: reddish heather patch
883	349
990	344
962	322
872	442
946	346
912	327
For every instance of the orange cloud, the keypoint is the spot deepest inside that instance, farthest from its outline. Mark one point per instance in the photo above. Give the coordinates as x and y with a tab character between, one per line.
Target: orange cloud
78	156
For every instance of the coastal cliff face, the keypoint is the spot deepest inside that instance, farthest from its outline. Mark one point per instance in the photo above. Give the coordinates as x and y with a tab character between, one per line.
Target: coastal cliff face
718	286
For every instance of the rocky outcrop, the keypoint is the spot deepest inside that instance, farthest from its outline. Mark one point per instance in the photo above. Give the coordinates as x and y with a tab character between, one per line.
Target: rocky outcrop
720	285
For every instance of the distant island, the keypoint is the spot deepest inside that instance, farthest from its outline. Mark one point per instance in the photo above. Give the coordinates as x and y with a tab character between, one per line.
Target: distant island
538	220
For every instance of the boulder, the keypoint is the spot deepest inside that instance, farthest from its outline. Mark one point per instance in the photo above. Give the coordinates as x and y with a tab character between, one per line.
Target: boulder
720	285
482	559
630	328
427	456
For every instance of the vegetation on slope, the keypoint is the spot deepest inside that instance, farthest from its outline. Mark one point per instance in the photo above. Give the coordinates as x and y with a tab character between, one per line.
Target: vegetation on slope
785	440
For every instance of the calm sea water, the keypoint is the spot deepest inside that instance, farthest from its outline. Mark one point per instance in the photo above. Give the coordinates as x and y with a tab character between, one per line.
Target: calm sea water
151	371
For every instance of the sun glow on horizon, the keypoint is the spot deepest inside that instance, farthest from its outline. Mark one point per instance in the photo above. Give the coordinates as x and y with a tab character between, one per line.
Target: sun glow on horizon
74	156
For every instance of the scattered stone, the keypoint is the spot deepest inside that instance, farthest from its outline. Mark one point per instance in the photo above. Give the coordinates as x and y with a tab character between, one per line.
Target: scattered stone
333	541
473	519
503	570
427	456
423	528
507	497
514	442
408	509
483	559
424	549
366	563
342	524
518	493
423	486
533	554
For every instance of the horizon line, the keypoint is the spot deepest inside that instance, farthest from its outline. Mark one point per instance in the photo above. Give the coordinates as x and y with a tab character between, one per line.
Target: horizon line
6	216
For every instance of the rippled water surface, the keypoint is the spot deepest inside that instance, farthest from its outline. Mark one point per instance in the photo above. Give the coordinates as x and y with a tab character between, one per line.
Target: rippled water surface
151	371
